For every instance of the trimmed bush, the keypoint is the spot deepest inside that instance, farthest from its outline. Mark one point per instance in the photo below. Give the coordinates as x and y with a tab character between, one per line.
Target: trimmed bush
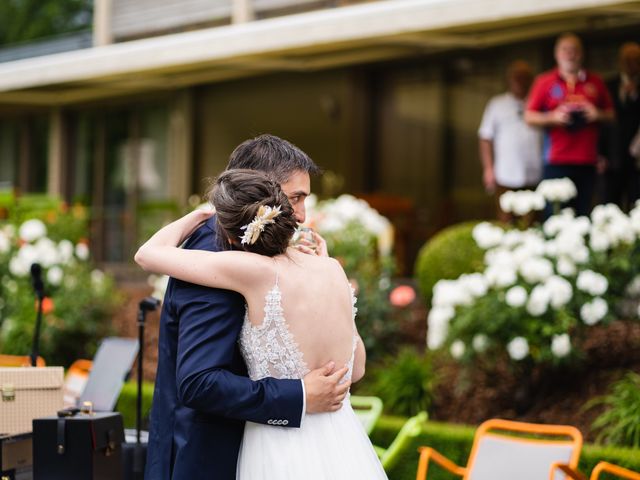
447	255
127	403
455	441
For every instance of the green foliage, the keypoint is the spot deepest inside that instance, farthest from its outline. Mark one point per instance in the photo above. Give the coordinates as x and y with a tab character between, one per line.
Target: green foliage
24	20
619	424
455	441
447	255
404	382
127	403
80	299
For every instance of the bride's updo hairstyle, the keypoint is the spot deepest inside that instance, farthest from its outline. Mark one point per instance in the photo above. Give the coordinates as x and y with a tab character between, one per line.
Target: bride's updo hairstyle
237	196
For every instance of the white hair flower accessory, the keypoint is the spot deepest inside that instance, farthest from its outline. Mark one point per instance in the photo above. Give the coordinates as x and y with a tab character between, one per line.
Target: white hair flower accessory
265	215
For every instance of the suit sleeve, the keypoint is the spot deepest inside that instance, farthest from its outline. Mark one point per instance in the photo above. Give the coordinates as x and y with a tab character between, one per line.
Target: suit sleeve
209	324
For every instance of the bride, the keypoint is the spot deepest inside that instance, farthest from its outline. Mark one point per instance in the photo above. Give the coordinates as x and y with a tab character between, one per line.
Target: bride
300	315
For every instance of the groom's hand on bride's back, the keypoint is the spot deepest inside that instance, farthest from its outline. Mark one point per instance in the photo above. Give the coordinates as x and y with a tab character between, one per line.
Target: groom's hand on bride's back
323	391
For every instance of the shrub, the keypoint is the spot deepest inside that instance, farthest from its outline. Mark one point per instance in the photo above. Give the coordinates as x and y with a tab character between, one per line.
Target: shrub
127	403
542	289
447	255
80	299
405	383
619	424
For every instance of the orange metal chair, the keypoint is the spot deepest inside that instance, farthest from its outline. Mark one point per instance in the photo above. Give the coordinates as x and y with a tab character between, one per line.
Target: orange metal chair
614	470
506	450
19	361
602	467
75	381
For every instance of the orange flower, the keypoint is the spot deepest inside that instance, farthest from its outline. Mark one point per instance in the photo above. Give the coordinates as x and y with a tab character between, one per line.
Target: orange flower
47	305
402	295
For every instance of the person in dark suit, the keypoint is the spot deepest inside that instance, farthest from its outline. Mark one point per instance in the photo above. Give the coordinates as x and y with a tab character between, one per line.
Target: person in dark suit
623	173
202	393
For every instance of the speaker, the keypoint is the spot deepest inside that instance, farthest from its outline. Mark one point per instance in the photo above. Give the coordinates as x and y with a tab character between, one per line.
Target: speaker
84	446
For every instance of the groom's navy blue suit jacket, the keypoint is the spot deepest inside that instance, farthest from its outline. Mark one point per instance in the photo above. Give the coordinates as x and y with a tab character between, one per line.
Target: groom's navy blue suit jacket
202	394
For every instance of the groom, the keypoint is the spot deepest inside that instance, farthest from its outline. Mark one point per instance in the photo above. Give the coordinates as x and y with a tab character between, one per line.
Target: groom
202	394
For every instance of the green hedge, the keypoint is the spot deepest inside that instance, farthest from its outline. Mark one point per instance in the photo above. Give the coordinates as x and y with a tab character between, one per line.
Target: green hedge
127	403
455	441
447	255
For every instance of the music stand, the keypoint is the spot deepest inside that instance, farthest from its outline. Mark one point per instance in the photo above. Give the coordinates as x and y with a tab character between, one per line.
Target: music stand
111	366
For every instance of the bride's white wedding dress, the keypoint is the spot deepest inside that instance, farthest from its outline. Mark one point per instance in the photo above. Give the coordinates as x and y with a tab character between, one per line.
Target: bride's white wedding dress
327	446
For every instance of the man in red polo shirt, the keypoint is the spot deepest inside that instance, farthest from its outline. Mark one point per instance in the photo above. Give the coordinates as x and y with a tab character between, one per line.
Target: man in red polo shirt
569	103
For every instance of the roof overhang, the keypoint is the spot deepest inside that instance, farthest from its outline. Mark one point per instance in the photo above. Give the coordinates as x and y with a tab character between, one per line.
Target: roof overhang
317	40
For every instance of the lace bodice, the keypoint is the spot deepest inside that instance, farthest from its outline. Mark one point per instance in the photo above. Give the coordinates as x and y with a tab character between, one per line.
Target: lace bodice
270	350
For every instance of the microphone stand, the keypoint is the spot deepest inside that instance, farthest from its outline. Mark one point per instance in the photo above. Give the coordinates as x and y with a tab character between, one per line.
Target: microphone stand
148	304
38	287
36	332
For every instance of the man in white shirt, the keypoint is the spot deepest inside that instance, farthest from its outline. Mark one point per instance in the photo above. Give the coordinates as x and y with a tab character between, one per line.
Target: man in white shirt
510	149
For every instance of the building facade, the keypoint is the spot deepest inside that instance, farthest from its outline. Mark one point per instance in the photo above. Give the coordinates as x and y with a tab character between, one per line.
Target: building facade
385	95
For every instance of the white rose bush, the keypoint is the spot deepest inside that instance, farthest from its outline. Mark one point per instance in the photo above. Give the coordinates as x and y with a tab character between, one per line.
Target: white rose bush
542	288
79	298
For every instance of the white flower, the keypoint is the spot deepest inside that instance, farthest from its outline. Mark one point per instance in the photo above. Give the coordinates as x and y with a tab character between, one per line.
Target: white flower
28	254
560	289
498	257
32	230
566	267
560	345
521	202
592	283
538	300
54	275
450	293
516	296
518	348
507	200
487	235
480	342
556	223
594	311
474	283
65	251
457	349
5	243
599	241
438	326
536	269
82	251
511	238
580	255
633	289
47	252
18	267
97	278
557	190
500	276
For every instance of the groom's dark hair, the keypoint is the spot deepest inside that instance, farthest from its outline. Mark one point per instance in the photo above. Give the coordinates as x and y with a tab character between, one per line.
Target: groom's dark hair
276	157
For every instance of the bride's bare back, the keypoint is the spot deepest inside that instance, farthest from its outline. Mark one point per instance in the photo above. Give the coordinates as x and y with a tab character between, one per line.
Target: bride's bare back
316	301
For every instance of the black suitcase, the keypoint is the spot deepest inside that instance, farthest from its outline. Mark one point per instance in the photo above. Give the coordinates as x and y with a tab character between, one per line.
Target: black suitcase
15	457
78	447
